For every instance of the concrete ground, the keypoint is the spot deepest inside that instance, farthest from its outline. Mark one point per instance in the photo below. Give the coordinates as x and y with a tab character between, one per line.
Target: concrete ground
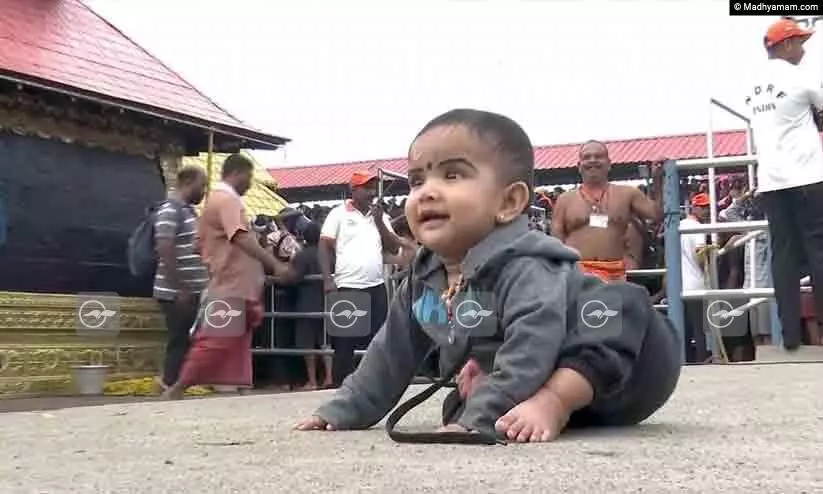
740	428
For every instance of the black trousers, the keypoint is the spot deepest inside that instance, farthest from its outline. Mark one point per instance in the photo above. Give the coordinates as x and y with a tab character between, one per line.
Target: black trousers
695	326
621	398
343	363
178	323
796	229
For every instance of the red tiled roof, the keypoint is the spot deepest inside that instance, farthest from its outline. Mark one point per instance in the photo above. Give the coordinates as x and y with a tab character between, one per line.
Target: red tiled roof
726	143
65	42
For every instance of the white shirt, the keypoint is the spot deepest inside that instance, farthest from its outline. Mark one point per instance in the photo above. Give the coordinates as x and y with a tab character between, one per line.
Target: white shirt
693	276
789	149
358	247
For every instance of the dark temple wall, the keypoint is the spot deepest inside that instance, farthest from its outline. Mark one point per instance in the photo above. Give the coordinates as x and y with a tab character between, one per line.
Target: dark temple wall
66	212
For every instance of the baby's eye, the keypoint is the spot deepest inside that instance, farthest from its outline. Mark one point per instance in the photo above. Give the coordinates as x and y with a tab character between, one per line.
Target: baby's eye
452	175
415	182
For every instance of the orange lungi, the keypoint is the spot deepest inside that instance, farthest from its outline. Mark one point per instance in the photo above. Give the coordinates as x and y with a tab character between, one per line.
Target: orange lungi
605	270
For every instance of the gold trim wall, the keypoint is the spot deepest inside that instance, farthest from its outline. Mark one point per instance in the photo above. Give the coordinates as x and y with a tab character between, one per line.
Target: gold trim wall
39	342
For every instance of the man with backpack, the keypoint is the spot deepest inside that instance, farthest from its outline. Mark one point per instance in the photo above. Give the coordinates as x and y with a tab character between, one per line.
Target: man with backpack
220	353
181	276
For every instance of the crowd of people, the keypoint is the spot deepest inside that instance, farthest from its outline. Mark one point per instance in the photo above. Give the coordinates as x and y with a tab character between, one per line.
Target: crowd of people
643	248
463	225
305	240
294	237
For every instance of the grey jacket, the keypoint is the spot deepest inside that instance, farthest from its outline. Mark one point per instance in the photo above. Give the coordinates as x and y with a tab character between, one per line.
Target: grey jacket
526	279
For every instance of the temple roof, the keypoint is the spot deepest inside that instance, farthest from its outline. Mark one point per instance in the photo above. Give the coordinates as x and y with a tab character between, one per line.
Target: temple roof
260	198
64	46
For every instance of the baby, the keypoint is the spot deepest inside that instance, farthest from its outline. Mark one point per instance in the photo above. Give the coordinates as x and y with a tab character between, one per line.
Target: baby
470	176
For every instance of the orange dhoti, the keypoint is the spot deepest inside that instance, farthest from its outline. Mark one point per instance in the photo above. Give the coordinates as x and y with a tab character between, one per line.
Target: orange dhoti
605	270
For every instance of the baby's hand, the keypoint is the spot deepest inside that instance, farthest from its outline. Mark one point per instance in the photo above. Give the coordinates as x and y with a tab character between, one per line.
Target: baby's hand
314	423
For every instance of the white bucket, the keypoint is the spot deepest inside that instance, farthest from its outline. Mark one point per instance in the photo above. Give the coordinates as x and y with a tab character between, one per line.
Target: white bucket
90	379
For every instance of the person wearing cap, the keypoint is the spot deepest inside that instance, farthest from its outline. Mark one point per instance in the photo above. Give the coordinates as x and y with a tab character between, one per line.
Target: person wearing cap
355	236
783	102
692	265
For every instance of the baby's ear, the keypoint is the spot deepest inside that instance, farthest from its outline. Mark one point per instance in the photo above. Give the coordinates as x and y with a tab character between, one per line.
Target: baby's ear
516	201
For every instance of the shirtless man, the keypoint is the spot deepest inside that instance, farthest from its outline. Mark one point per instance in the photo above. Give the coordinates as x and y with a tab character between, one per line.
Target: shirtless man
594	218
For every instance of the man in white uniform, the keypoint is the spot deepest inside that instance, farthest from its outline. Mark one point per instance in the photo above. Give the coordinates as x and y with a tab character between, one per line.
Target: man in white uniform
784	104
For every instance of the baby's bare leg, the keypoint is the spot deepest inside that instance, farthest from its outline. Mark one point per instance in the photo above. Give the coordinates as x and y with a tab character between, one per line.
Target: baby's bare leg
543	416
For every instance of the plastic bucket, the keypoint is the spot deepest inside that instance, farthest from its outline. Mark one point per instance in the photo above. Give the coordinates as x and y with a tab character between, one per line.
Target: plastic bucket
90	379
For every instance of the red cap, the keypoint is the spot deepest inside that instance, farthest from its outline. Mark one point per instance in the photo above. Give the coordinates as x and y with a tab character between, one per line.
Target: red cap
700	200
785	29
361	178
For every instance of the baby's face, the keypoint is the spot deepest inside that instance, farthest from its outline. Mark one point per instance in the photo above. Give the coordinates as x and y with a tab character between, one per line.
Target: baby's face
454	191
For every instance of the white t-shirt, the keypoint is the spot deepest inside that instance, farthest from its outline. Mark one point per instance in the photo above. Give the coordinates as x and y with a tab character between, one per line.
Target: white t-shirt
358	247
789	148
693	275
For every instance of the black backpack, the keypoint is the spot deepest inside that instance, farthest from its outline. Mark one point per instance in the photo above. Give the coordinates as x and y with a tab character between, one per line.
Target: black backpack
141	254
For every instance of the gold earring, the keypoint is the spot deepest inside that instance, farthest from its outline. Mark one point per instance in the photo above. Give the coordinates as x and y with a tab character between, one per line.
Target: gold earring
500	218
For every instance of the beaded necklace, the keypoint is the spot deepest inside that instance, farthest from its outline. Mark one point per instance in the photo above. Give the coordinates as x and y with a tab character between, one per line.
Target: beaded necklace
448	298
598	206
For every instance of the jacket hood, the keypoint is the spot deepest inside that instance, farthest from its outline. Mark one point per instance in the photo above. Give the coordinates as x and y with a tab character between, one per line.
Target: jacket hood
499	247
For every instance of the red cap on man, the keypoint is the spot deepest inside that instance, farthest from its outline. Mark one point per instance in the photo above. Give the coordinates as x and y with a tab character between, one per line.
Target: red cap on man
700	200
785	29
361	178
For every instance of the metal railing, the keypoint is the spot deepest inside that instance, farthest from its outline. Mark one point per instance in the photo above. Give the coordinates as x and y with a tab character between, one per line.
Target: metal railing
273	315
673	231
646	273
740	242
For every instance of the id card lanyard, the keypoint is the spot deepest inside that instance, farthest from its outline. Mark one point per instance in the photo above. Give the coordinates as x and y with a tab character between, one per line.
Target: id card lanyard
597	217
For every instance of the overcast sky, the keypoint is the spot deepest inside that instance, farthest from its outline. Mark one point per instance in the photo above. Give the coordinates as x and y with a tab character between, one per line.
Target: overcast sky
355	79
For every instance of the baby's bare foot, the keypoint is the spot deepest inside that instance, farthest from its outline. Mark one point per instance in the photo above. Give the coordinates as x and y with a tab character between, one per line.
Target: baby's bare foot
541	418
